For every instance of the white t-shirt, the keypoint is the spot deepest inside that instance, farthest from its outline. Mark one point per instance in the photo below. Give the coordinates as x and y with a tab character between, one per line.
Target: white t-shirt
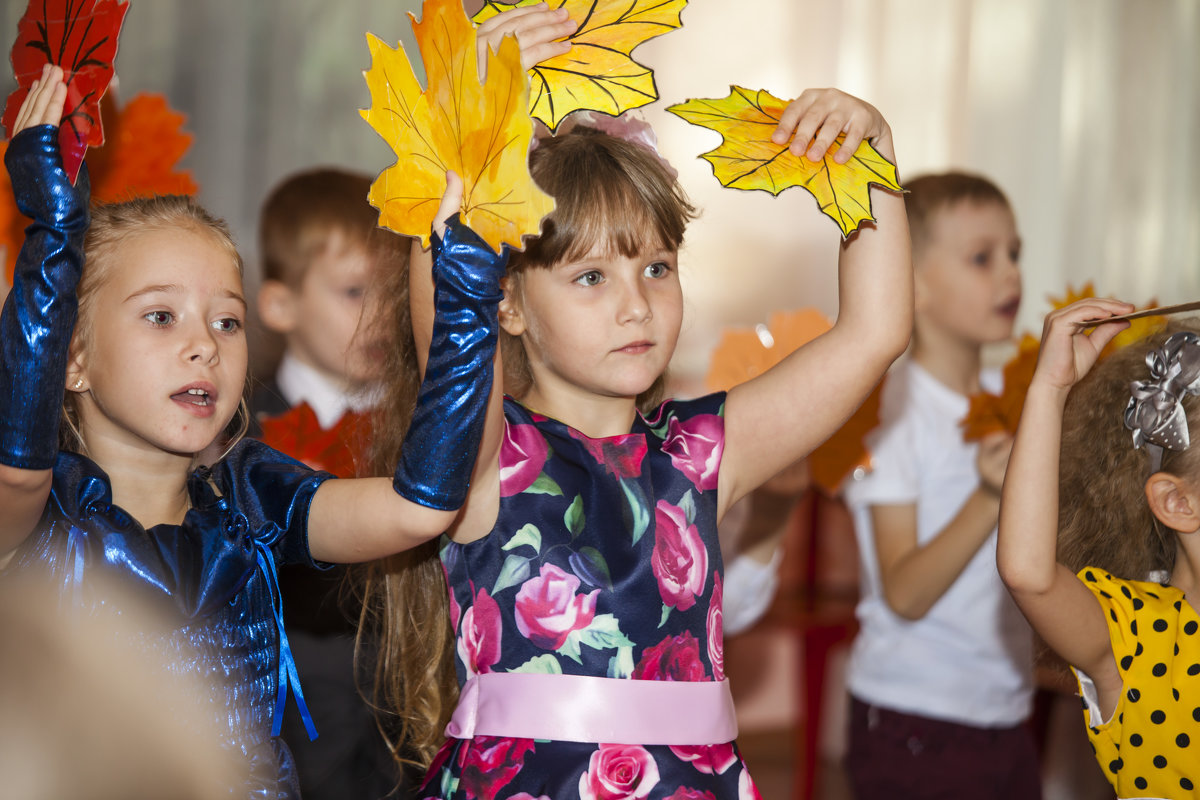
969	659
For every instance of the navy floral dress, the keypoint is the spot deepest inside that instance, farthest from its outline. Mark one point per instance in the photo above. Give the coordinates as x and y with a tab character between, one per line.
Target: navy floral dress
604	562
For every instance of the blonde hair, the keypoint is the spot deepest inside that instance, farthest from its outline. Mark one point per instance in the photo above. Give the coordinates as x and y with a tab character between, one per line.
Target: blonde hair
112	225
1104	519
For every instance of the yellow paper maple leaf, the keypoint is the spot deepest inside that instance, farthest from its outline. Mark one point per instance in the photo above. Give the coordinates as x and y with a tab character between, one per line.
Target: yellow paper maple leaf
481	131
599	72
748	159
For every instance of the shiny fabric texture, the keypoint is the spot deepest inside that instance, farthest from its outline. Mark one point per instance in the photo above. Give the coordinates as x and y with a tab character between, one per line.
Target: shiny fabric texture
214	576
39	314
439	451
1155	411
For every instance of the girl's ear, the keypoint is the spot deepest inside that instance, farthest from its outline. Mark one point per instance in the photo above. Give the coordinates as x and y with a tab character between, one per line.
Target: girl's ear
1174	501
277	306
75	378
511	318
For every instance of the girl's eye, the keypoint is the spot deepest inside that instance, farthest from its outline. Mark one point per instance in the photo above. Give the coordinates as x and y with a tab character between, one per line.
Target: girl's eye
980	259
590	278
228	325
658	269
159	318
355	292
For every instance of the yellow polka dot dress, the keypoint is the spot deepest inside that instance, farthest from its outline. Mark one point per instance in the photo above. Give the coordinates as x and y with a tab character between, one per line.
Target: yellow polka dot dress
1150	747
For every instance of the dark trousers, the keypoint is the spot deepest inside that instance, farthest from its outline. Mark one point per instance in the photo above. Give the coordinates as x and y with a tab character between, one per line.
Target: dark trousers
898	756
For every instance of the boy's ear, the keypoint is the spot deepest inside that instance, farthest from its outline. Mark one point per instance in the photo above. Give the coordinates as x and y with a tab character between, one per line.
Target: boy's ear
1174	502
277	306
511	319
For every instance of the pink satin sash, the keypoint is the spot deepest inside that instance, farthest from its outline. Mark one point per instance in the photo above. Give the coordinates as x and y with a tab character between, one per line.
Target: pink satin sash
582	708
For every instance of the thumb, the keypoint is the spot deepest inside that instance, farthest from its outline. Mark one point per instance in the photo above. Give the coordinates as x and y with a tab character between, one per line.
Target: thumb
451	202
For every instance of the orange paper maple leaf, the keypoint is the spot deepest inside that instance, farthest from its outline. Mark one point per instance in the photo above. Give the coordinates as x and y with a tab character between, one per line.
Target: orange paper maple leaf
145	142
988	413
598	73
748	159
481	131
742	354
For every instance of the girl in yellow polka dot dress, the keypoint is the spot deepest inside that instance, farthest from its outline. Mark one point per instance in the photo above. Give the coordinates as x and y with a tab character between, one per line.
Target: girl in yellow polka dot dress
1108	579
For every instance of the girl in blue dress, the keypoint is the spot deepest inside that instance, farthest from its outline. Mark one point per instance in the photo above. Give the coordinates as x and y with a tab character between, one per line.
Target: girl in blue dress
137	309
584	572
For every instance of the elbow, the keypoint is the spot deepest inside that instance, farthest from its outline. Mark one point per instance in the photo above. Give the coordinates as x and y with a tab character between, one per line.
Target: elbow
907	608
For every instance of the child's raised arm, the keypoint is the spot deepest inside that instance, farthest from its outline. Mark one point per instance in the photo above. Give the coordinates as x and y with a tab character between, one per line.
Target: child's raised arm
39	313
1056	603
782	415
357	520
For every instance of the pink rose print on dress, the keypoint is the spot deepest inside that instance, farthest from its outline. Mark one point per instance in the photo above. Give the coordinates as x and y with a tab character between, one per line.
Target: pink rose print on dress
622	456
695	446
675	658
618	772
685	793
715	629
455	611
679	559
711	759
746	788
479	637
523	453
548	608
528	796
491	763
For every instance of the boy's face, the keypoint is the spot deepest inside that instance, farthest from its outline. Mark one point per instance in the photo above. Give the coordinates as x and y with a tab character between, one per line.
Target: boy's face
329	305
968	281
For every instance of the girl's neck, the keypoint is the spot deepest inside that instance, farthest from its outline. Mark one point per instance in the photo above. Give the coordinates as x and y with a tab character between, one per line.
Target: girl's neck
954	362
1187	564
149	484
593	415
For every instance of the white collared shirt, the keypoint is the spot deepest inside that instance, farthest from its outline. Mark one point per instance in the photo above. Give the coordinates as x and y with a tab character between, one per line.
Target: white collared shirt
300	383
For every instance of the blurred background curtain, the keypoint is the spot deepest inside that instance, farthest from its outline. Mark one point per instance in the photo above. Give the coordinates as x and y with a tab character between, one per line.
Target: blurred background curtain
1087	113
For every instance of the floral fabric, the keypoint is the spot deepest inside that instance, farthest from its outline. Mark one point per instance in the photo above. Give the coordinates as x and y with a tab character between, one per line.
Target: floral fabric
604	561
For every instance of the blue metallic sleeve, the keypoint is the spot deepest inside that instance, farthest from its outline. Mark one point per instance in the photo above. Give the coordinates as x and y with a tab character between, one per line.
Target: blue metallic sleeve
439	451
39	314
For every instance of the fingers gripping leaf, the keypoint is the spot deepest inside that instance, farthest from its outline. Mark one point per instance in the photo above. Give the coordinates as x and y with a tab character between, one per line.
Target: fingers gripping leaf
748	159
598	73
481	132
81	37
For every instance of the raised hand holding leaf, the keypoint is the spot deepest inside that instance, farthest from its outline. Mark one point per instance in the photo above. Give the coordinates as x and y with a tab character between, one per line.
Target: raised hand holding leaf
748	159
81	37
480	131
599	72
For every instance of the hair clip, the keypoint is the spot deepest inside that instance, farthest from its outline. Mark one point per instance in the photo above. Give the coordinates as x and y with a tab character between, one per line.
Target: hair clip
1155	412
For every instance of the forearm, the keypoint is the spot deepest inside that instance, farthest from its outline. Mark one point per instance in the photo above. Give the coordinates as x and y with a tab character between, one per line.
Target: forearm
1027	550
917	579
420	297
875	278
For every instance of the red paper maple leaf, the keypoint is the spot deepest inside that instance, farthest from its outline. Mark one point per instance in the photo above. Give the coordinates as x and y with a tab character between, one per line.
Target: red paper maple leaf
145	144
341	449
81	37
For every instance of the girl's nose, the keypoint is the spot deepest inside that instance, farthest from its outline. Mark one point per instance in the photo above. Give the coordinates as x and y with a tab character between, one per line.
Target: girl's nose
201	346
635	305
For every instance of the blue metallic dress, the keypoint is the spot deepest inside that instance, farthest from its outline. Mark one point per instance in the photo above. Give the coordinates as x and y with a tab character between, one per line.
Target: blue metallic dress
214	575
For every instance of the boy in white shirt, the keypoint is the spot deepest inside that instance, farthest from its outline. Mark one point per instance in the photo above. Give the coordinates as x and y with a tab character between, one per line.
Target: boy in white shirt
940	673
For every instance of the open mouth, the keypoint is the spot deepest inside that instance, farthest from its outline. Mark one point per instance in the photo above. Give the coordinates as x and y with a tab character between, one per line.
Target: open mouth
1010	308
195	397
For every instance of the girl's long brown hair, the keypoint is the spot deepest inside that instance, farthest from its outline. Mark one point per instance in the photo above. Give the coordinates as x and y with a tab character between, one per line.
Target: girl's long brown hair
606	191
1104	520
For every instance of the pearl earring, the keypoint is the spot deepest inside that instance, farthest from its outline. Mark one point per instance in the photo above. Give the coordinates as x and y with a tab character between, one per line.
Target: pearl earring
79	384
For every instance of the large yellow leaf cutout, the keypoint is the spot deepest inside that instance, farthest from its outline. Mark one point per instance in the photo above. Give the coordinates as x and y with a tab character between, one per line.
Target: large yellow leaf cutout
745	353
598	73
748	159
481	131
